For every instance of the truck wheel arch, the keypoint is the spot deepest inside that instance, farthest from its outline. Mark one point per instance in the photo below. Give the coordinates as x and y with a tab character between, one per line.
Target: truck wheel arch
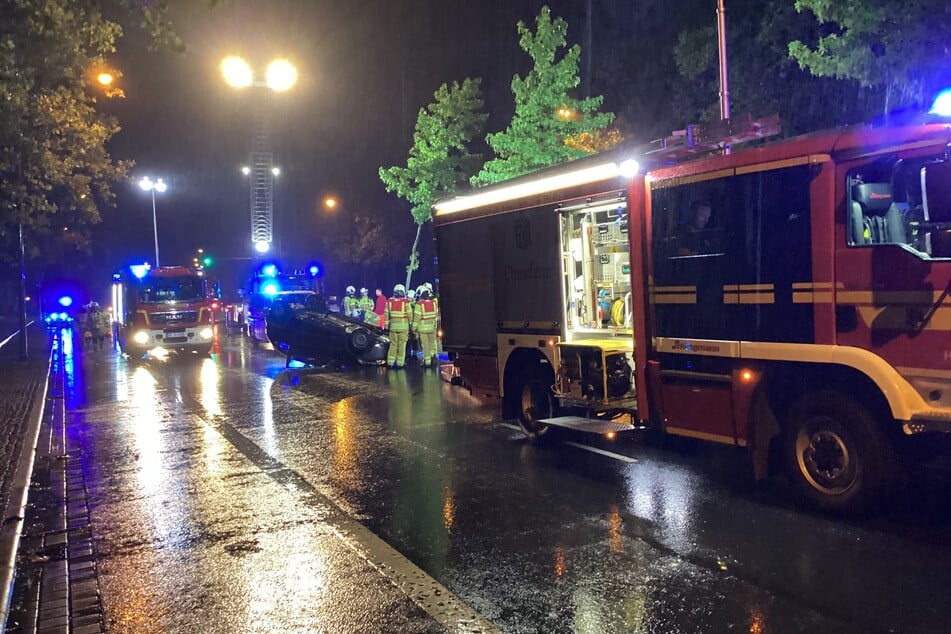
774	400
523	364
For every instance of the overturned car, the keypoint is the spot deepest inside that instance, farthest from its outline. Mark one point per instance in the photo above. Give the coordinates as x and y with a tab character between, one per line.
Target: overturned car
314	335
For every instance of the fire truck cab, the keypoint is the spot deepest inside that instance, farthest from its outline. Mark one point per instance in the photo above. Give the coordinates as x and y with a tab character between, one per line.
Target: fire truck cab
165	309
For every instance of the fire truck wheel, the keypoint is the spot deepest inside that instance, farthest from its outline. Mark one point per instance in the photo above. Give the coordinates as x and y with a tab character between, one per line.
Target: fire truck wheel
536	403
835	454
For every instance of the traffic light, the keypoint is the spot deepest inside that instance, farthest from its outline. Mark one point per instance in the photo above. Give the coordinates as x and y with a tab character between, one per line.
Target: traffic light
207	261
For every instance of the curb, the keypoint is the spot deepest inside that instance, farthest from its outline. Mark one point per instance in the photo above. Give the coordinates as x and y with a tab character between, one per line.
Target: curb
14	515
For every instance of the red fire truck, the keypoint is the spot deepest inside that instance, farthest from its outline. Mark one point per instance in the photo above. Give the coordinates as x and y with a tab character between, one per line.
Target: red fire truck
790	298
165	309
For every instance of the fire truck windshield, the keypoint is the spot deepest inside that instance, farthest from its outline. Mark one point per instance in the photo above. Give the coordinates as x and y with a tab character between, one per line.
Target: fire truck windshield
172	289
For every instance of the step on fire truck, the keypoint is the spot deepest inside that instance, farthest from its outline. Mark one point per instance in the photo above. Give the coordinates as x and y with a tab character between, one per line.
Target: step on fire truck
790	298
162	310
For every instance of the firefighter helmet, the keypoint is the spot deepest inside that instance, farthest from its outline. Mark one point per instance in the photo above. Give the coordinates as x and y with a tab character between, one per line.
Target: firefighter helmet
364	290
399	290
351	290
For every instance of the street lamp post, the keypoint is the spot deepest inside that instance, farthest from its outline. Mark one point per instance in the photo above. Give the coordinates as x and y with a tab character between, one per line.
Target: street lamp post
157	186
279	77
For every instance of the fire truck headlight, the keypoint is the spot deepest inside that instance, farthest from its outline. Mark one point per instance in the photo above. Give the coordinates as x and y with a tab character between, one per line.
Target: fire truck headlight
206	333
141	337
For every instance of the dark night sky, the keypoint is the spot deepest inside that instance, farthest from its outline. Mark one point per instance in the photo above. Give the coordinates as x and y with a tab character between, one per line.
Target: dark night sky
366	67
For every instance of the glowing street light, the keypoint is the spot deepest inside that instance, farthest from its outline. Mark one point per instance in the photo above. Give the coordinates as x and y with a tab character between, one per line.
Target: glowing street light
330	202
279	76
154	186
105	78
237	72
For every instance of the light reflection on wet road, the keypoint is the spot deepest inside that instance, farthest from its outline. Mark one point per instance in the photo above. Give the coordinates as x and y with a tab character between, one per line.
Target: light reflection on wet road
227	495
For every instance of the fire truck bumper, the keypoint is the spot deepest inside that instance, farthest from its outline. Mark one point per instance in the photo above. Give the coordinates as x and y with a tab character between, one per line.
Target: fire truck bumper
186	338
931	421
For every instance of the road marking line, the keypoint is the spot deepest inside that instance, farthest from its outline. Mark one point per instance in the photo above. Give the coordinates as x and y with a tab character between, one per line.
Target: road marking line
601	452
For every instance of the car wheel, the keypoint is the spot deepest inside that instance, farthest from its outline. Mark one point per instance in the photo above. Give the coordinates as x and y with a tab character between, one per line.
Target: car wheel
359	340
835	453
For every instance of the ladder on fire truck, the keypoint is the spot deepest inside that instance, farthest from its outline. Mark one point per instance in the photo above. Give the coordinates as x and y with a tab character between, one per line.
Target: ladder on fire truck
706	138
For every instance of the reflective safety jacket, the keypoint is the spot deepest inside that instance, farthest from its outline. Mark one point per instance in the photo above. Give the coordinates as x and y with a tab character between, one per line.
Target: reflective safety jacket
350	305
399	314
425	312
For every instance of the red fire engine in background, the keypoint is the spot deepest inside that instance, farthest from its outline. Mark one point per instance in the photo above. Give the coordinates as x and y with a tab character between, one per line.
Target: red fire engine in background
791	298
165	309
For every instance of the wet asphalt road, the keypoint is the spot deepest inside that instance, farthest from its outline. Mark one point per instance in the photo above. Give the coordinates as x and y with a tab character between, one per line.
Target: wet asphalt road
230	495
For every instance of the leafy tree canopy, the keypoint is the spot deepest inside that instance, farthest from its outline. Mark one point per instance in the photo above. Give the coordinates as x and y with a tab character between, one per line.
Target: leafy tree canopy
55	172
898	45
763	79
546	116
439	160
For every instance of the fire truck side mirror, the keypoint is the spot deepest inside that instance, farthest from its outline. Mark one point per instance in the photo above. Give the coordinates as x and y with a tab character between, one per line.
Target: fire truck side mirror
936	200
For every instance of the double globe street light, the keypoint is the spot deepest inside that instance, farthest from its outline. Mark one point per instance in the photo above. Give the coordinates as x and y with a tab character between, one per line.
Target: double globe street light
154	186
280	76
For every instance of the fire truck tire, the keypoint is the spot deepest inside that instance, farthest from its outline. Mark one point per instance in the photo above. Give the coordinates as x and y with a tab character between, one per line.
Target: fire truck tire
835	453
536	402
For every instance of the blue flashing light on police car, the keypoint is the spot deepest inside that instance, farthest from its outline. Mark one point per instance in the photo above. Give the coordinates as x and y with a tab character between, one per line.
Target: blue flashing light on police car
942	104
65	301
314	270
270	289
269	270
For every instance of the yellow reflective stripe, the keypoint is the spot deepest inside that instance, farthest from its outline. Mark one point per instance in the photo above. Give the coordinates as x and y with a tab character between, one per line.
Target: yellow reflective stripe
691	433
889	297
749	294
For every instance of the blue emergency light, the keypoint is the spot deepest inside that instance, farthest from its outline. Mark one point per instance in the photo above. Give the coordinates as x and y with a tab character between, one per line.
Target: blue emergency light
269	270
270	288
140	270
314	270
65	301
942	104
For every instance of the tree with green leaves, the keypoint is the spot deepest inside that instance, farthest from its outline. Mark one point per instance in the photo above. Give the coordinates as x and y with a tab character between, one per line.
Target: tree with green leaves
896	45
546	115
764	80
440	159
55	170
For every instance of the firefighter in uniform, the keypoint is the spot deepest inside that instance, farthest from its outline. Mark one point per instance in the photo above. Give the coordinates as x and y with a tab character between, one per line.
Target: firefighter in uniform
350	304
398	317
365	305
426	313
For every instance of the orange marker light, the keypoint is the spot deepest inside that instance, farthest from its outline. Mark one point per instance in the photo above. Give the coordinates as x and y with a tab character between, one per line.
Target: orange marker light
746	375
